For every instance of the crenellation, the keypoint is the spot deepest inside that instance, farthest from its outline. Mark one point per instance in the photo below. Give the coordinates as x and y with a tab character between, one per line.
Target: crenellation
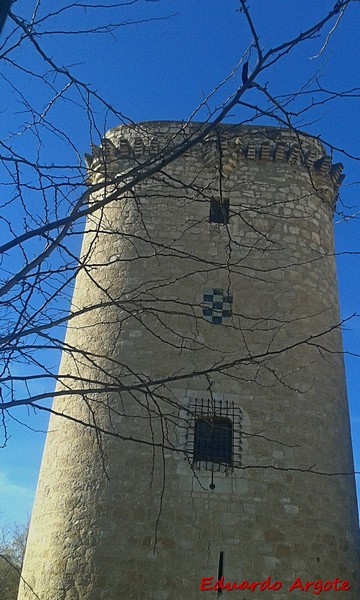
265	151
295	148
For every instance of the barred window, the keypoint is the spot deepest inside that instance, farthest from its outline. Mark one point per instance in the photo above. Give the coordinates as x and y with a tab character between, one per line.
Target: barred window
213	440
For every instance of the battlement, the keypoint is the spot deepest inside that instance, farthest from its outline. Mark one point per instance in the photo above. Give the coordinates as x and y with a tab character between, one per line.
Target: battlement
143	143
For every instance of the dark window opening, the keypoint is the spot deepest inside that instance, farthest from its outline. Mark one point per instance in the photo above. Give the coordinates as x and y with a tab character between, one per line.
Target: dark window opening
213	440
219	211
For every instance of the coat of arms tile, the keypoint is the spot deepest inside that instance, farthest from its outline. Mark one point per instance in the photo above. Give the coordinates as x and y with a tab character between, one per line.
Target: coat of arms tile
217	305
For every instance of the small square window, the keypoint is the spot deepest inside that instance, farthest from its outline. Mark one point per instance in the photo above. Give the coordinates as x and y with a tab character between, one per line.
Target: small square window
213	441
219	211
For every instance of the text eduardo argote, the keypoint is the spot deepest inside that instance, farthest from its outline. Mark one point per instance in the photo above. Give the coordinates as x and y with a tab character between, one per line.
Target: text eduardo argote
316	587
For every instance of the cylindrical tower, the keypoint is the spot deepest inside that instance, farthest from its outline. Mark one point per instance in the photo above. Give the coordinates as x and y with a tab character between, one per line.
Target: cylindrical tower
205	356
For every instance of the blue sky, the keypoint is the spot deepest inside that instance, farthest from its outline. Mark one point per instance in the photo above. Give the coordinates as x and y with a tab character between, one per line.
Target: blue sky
162	69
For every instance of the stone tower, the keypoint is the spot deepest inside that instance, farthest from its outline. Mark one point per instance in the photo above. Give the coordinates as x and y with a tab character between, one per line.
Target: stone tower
203	353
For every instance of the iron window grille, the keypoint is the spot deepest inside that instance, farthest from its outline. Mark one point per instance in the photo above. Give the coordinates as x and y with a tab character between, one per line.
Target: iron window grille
214	437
